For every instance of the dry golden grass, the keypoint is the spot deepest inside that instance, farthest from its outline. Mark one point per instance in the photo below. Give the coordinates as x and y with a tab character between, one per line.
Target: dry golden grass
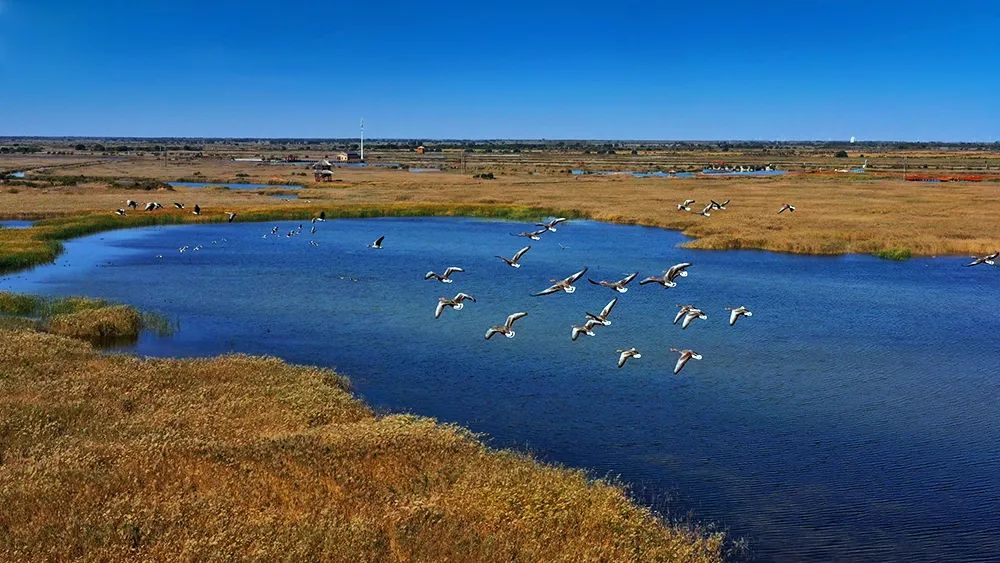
837	213
116	457
93	320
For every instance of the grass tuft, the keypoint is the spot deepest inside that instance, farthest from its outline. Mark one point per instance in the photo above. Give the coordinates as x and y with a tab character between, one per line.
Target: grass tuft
94	320
898	254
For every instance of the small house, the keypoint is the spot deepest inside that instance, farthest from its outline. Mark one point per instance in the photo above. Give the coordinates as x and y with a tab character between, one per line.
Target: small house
322	165
420	150
323	175
348	156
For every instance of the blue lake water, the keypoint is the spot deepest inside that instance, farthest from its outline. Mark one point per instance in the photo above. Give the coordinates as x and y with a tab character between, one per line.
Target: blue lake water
855	416
15	224
234	186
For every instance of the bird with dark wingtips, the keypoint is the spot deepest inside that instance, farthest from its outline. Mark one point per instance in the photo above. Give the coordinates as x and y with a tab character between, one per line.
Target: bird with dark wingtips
626	354
786	207
669	277
377	245
605	313
533	235
562	285
178	205
456	303
120	212
686	206
507	328
587	328
551	225
682	360
197	209
736	312
445	277
131	203
230	216
989	259
720	206
619	286
515	262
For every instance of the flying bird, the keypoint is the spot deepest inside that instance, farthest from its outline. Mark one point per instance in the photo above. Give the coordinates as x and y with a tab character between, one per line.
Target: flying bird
989	259
131	203
669	276
605	313
120	212
736	313
624	356
455	303
706	210
692	314
720	206
619	285
682	311
230	216
445	277
586	328
533	235
787	207
377	245
515	262
152	206
562	285
197	209
550	225
685	355
178	205
686	206
507	328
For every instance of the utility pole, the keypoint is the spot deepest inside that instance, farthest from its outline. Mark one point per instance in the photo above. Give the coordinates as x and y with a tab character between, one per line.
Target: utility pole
362	139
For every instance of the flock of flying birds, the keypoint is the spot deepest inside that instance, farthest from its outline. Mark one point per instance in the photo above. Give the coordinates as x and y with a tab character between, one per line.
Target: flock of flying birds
686	313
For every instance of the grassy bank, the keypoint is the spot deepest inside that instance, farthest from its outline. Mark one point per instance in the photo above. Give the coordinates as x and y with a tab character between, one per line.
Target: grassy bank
41	244
93	320
115	457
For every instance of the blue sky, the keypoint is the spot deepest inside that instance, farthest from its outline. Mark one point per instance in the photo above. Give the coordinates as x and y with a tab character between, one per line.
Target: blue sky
809	69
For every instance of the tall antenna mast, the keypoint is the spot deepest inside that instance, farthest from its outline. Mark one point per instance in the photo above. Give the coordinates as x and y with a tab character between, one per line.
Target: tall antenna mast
362	139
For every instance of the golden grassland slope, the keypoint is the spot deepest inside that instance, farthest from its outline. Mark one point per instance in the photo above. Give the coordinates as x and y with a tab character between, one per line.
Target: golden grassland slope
112	457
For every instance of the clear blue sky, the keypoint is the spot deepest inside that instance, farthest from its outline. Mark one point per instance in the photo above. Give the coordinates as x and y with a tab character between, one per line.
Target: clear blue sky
806	69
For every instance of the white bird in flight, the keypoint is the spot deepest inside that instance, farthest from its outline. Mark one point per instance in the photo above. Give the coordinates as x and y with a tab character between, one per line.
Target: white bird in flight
515	262
455	303
506	329
624	356
736	312
619	286
445	277
562	285
685	355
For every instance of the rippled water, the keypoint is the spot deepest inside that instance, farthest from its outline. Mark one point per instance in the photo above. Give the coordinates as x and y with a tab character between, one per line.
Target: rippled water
855	416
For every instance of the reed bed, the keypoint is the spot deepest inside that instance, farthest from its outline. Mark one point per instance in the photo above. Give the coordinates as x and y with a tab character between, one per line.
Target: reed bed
96	321
112	457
